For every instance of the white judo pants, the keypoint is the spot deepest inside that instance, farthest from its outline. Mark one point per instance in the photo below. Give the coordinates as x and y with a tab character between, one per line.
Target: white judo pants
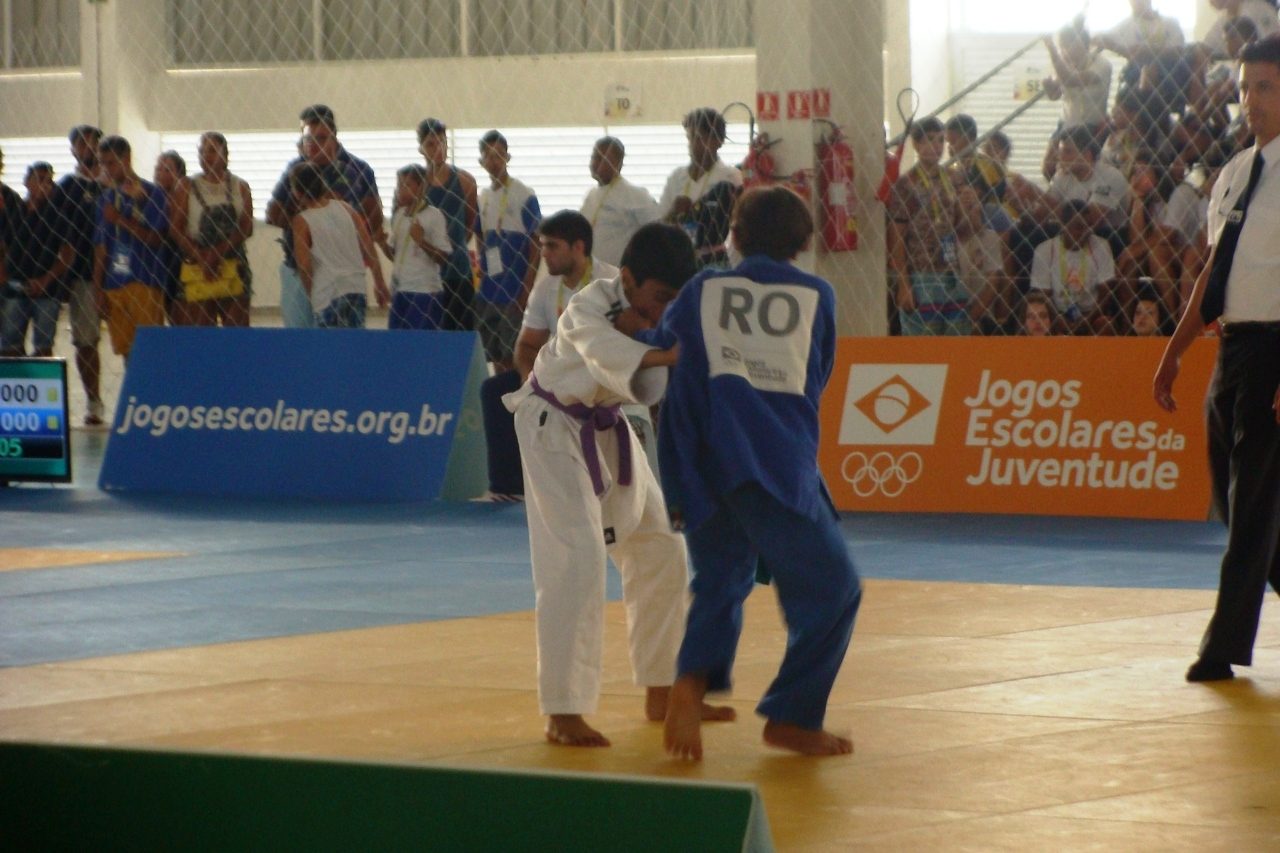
568	529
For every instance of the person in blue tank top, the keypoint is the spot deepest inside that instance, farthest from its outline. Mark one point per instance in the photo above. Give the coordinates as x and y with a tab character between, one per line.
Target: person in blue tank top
453	191
737	450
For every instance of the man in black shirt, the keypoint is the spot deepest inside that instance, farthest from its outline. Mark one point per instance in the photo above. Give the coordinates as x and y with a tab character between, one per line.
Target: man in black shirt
36	261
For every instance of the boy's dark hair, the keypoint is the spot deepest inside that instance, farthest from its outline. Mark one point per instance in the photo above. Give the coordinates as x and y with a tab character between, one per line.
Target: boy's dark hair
38	166
660	251
925	126
84	131
319	114
116	145
963	124
1077	207
216	138
180	165
1263	50
1083	139
1242	28
999	139
306	179
771	221
570	226
613	143
430	127
705	120
493	137
413	170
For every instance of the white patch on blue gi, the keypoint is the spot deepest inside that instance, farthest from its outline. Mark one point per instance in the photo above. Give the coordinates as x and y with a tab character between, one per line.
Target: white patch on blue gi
760	332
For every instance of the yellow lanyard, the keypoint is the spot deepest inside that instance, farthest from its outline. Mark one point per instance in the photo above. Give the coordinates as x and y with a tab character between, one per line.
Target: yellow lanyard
944	181
586	276
406	224
605	195
1083	271
502	207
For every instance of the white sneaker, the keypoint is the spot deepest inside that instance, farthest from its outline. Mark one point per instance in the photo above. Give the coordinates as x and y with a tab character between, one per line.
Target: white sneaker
94	417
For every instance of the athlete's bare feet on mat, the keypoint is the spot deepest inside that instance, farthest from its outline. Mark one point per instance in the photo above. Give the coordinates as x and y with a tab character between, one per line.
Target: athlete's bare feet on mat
805	741
682	730
656	700
572	730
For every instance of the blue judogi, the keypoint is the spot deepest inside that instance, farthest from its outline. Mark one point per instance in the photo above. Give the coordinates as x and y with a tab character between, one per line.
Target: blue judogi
737	453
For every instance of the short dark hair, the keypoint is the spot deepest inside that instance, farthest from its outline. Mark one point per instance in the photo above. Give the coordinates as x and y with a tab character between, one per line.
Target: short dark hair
430	127
1000	139
705	120
570	226
612	142
38	166
84	131
175	158
319	114
1263	50
413	170
1242	28
1077	207
771	221
215	137
493	137
925	126
306	179
662	252
1083	139
963	124
116	145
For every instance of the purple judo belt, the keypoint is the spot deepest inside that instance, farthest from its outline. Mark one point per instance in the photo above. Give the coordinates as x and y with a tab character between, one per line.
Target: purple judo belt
595	419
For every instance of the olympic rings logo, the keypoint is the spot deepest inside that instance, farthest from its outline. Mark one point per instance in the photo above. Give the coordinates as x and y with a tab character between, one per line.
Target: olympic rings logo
881	473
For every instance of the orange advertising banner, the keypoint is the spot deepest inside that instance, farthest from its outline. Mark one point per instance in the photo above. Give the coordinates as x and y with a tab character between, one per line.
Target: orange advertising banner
1044	426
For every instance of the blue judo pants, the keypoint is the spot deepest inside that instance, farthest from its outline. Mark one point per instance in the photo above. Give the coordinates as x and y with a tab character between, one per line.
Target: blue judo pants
818	590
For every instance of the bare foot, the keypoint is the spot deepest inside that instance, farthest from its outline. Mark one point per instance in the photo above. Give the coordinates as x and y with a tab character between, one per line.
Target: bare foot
805	741
572	730
655	707
682	731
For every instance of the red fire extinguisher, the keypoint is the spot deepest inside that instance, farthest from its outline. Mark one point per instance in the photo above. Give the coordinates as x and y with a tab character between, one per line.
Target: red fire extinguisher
836	196
759	168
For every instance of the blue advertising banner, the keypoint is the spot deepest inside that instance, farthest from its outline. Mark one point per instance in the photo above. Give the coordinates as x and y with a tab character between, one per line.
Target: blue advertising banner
339	414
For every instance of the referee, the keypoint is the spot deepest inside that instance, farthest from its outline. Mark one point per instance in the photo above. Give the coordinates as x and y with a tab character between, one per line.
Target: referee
1240	287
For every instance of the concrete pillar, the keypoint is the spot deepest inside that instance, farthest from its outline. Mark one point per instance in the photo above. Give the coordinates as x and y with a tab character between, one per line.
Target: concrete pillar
836	45
129	62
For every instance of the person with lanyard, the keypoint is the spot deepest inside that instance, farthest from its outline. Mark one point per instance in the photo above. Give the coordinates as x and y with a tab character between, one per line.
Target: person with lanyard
699	197
1076	269
1237	289
930	298
419	247
350	178
509	216
76	203
129	271
452	191
615	207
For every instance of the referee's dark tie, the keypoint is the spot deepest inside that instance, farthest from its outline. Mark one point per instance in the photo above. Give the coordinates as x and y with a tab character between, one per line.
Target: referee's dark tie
1215	291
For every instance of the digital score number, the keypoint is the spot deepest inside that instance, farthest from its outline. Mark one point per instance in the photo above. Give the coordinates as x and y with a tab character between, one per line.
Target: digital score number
34	432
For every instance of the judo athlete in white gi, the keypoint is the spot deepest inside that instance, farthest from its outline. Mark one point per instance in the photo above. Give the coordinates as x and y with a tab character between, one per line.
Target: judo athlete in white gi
589	493
738	444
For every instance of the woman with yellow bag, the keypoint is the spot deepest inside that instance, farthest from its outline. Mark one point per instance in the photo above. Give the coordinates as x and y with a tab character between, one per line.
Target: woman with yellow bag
212	217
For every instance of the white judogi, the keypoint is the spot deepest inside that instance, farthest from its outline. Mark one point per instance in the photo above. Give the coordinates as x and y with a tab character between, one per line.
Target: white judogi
572	530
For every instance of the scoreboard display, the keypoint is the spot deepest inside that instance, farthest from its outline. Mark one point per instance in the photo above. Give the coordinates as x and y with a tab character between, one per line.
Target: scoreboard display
34	433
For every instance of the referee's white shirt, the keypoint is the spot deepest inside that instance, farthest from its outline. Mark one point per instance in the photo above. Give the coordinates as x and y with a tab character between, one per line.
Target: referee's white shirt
1253	289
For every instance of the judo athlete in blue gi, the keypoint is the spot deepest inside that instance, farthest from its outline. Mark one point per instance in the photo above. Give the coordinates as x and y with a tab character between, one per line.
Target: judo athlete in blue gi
737	446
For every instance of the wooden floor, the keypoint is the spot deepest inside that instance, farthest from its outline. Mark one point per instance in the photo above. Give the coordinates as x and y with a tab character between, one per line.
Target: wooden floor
985	717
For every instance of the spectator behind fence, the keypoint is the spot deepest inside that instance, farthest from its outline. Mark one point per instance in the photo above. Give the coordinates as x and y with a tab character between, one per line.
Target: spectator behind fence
420	248
332	246
77	204
1157	65
699	197
169	174
351	180
452	191
1221	70
921	242
1259	14
973	168
979	263
615	207
131	226
212	220
34	262
1077	270
1147	317
1081	80
509	217
1100	186
1150	187
1036	315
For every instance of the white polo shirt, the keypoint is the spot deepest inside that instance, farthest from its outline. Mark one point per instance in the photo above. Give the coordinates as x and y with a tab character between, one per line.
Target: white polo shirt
1253	288
616	211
